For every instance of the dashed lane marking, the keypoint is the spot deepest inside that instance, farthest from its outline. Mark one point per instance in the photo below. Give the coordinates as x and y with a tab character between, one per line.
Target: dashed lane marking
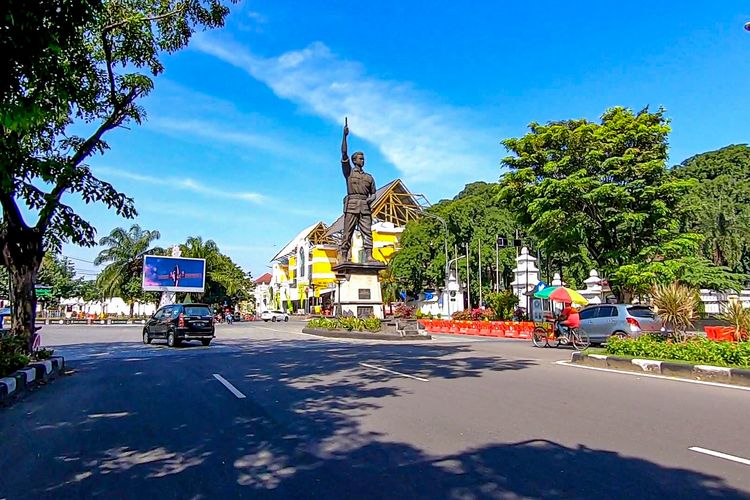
394	372
229	386
719	454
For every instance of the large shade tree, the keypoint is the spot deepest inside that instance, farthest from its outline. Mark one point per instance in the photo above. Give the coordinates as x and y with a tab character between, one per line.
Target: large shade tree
600	192
473	217
123	254
82	63
59	274
718	207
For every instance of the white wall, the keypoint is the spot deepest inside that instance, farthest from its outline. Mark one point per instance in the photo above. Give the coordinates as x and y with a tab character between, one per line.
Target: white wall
114	305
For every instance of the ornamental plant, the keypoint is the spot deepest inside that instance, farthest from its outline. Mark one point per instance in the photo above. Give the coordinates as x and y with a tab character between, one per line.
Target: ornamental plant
676	305
738	318
404	312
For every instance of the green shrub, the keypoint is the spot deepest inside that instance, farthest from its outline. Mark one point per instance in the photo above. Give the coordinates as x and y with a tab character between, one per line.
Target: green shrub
12	354
372	324
351	323
42	354
323	323
695	350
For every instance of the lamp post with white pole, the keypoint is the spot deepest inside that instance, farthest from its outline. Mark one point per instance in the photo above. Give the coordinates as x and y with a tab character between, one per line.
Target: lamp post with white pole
446	271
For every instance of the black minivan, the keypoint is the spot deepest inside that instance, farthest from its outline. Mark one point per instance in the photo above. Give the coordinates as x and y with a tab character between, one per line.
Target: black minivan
178	322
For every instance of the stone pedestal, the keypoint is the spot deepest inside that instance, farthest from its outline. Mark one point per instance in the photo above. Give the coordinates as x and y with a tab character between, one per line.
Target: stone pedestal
359	291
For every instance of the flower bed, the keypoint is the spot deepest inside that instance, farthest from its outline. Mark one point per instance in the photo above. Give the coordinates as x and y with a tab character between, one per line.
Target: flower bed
349	324
695	350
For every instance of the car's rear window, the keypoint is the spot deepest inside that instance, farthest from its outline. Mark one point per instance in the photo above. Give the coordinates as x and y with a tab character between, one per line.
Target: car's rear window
197	311
641	312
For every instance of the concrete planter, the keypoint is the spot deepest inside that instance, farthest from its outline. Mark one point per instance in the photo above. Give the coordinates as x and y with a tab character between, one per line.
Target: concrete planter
707	373
381	335
36	374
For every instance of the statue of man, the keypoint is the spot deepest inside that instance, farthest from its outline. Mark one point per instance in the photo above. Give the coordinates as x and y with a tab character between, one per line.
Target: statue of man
360	193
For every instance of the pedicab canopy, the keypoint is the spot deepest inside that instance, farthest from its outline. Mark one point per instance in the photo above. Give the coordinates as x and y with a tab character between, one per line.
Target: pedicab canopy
561	294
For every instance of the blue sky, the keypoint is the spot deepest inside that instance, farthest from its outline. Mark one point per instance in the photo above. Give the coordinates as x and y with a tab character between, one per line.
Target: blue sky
242	139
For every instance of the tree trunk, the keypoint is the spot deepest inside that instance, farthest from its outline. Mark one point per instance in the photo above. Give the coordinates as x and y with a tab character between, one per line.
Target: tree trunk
22	253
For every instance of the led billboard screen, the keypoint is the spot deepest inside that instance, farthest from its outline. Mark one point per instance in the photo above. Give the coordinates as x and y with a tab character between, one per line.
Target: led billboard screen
173	274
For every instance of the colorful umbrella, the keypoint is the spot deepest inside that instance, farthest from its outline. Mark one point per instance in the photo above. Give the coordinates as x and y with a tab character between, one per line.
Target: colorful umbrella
563	294
544	292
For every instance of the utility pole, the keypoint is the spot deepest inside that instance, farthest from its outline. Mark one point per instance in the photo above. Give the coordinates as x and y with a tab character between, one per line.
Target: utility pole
468	279
480	271
497	264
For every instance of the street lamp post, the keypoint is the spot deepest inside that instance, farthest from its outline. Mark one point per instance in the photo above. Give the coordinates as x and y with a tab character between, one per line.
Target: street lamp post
340	278
446	272
468	278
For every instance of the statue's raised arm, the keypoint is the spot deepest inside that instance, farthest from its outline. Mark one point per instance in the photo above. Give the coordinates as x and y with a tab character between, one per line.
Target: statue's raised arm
346	166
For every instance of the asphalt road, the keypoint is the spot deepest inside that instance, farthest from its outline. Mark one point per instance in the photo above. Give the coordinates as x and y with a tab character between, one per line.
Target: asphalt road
266	411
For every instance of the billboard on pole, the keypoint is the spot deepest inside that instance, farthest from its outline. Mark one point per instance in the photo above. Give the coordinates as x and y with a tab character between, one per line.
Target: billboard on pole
173	274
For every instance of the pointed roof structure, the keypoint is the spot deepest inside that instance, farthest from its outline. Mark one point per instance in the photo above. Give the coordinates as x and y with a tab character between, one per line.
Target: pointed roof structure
316	233
393	203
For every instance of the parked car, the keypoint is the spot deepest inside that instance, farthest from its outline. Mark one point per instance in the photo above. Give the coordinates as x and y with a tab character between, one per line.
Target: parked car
179	322
604	320
274	316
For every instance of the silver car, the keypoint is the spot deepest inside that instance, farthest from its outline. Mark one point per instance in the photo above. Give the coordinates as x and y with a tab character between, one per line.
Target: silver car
625	320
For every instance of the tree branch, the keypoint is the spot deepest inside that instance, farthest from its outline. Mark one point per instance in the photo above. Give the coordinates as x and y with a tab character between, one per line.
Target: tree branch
149	18
10	210
108	62
53	198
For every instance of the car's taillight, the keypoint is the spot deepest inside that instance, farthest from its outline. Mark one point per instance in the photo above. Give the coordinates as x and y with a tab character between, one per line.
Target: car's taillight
181	321
634	322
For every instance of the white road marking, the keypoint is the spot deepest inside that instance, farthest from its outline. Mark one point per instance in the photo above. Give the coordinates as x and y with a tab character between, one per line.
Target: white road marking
229	386
394	372
719	454
650	375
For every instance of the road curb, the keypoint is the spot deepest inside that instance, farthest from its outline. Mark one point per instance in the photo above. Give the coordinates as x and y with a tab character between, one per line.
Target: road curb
334	334
705	373
19	383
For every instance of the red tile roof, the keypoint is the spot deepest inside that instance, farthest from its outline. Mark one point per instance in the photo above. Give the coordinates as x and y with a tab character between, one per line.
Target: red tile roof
264	280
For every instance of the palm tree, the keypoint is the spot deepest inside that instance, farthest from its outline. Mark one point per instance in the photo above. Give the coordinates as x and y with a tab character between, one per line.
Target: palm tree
224	278
124	253
388	286
196	248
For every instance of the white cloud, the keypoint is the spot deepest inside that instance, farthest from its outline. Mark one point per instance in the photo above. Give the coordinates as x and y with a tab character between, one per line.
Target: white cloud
189	115
219	133
426	141
185	183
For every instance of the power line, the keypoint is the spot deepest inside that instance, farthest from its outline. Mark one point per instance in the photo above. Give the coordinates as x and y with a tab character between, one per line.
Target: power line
76	258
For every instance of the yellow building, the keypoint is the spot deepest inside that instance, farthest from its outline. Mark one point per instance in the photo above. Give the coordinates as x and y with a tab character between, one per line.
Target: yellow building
303	279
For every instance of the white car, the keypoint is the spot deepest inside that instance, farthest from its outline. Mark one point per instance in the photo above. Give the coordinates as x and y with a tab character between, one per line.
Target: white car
274	316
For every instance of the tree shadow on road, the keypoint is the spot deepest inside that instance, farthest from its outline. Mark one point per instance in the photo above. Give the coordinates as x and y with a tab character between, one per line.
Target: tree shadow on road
165	428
